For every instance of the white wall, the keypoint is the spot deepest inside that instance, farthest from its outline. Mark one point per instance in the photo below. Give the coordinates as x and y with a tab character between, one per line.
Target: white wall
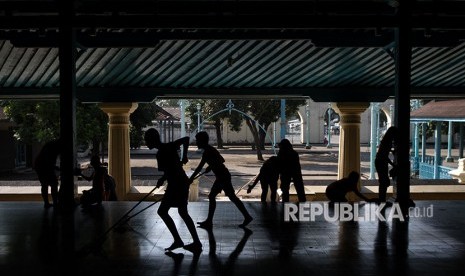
317	112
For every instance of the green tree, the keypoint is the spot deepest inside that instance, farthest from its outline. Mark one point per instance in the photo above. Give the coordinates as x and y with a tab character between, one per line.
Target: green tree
209	111
262	112
265	112
39	121
36	121
91	126
140	118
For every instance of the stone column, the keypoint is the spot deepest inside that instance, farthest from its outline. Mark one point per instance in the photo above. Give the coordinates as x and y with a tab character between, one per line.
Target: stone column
119	159
349	139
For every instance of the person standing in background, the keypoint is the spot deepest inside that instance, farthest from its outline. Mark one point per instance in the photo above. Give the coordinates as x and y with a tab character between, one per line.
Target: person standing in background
45	167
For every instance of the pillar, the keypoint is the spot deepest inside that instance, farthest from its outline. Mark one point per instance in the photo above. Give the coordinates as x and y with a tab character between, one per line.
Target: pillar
119	161
307	126
373	139
416	148
67	58
329	126
450	132
437	149
183	104
283	119
461	140
349	139
402	85
423	141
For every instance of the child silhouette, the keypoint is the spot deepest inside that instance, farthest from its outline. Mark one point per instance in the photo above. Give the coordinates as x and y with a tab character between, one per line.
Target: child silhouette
176	193
215	162
268	178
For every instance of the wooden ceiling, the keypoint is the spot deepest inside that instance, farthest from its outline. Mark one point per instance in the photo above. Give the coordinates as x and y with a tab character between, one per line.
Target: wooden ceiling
139	50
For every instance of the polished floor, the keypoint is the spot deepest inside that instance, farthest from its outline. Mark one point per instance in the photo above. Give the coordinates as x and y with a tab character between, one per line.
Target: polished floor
38	241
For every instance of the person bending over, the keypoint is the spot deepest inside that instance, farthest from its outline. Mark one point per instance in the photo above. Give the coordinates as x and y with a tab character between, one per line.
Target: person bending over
268	178
177	190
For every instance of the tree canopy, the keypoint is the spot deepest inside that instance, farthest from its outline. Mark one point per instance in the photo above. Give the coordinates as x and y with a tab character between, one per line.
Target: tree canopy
262	111
39	121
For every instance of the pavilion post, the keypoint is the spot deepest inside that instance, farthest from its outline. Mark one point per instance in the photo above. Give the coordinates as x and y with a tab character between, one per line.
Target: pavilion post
403	58
461	140
449	157
423	141
283	118
373	141
67	58
437	150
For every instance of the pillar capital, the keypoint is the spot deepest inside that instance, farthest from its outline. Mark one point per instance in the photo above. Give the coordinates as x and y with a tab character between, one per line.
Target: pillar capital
350	111
118	108
350	107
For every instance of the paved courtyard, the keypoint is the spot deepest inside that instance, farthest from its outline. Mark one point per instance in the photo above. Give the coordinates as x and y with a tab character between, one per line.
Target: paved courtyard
319	167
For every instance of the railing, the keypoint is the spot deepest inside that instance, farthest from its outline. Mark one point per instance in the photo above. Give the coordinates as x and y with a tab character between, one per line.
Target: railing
426	171
444	172
414	165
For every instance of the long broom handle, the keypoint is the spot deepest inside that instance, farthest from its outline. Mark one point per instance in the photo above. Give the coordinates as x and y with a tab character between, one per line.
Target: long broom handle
128	212
247	183
103	236
145	208
153	203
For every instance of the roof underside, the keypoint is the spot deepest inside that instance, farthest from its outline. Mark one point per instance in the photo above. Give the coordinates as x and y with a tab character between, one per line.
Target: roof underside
138	50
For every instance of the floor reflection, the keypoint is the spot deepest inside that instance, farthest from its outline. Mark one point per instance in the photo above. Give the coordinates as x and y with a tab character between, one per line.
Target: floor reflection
34	241
218	265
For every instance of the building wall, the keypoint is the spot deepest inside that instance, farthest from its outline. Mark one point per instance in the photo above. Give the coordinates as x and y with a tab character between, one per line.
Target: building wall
243	136
317	114
317	111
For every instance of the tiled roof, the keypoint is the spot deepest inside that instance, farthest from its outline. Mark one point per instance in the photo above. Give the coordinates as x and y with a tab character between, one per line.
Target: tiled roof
441	110
164	115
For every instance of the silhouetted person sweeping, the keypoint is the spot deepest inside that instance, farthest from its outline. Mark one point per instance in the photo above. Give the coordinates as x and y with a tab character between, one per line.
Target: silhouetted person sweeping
268	177
45	166
215	162
382	161
290	170
337	191
177	190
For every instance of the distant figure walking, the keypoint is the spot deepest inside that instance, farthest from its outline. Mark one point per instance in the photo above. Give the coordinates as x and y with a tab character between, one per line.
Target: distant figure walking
290	170
97	193
337	191
45	167
177	190
215	162
382	161
268	177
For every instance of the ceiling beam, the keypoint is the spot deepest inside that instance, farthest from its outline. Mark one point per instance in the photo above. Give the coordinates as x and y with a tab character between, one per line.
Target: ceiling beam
320	38
232	14
250	22
147	94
